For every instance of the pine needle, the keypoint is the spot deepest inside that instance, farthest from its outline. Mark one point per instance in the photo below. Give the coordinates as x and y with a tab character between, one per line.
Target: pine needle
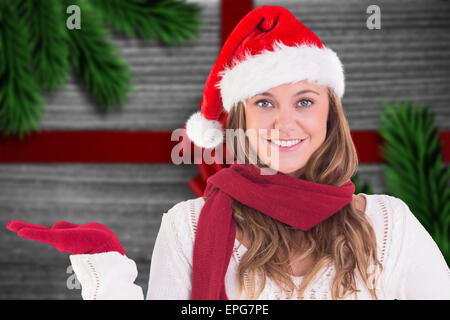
414	170
169	20
20	101
97	61
48	41
36	49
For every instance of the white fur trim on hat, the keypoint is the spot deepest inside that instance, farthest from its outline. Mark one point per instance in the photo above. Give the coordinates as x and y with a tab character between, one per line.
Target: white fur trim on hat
285	64
203	132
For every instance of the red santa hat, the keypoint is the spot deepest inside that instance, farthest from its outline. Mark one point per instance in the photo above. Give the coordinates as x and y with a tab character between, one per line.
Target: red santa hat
268	47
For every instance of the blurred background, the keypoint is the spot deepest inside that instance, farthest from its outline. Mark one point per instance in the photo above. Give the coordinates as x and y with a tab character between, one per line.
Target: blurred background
91	161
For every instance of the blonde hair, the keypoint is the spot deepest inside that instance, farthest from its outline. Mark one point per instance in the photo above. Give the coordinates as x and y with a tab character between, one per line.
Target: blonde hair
346	239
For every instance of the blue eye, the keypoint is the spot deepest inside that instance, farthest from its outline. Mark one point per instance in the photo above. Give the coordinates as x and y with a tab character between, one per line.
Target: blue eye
301	103
306	106
257	103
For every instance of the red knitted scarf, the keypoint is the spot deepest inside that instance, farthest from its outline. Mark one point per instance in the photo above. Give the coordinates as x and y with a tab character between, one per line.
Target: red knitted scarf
296	202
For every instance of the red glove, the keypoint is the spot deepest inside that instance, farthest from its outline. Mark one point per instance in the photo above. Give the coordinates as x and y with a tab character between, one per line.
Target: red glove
88	238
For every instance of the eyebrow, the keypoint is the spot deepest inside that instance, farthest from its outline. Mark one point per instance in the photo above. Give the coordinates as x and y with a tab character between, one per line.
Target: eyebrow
298	93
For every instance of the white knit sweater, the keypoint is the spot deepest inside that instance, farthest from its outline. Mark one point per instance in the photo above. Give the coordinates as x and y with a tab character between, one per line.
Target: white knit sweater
414	267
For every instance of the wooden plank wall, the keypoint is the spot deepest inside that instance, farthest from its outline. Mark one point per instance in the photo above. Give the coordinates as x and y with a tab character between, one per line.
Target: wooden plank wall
409	56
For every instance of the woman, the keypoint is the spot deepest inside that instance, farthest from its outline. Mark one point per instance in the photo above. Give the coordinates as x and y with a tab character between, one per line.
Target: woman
284	224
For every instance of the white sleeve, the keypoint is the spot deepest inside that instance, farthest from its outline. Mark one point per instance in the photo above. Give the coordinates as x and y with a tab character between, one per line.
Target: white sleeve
171	264
106	276
111	276
422	272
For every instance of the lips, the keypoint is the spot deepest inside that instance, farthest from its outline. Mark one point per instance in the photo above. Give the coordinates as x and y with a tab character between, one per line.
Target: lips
284	140
288	148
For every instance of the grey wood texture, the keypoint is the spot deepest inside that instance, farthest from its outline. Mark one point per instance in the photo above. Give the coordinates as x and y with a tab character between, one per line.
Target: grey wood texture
409	56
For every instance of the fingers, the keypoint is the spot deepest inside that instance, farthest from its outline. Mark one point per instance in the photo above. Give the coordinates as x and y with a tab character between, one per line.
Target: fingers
16	225
64	236
42	235
71	240
64	225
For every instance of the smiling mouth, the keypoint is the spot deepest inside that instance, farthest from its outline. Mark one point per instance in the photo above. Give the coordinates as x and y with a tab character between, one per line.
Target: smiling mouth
286	143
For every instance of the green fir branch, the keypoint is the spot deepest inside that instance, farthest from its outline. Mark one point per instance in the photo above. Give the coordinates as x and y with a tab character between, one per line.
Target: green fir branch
48	41
97	61
414	169
36	49
20	101
170	20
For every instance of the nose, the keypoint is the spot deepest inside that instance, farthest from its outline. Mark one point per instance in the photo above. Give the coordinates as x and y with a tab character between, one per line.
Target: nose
285	121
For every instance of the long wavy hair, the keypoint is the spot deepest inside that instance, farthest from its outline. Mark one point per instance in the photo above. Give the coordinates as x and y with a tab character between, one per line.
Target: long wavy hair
346	239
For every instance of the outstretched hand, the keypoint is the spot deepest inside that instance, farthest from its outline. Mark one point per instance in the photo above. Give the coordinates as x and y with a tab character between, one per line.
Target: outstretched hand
88	238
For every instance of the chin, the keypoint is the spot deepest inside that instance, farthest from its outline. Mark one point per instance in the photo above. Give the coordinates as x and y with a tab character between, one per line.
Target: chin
288	170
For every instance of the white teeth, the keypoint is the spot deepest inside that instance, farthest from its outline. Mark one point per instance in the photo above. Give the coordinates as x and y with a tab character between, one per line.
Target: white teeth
284	143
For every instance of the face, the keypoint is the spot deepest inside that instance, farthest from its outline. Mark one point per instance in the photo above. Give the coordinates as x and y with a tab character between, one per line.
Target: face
286	124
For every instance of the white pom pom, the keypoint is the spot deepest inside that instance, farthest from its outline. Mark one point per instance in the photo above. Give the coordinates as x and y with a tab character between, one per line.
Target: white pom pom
203	132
